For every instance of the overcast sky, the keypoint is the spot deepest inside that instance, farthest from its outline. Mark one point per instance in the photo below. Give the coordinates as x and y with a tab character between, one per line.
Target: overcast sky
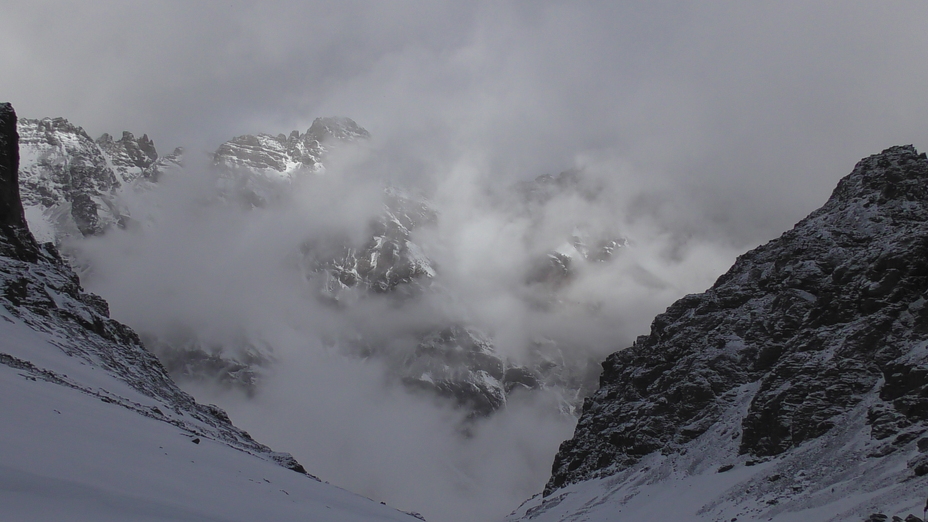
737	116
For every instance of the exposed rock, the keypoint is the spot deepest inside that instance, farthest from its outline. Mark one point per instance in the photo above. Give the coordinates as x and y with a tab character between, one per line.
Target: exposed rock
388	263
18	242
71	185
132	158
457	363
283	156
828	315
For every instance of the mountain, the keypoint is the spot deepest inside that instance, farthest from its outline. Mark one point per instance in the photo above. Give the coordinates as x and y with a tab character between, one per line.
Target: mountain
793	389
451	360
95	429
71	184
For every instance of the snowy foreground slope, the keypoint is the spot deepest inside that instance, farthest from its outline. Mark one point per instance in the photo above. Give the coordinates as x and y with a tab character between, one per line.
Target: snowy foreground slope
794	389
94	429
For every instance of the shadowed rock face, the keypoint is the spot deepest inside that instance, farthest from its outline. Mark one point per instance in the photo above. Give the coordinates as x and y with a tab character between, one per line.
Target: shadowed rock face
15	240
11	208
833	312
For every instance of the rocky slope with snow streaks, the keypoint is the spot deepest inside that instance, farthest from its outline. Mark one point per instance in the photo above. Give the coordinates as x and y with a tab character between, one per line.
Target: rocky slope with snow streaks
806	365
71	184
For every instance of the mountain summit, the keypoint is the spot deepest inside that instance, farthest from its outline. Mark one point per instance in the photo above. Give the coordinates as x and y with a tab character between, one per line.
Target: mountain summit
283	156
795	387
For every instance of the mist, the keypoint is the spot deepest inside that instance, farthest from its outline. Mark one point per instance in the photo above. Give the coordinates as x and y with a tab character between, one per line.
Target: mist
699	130
198	263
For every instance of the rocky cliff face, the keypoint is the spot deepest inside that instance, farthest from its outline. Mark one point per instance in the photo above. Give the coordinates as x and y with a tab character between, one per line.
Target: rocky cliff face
11	211
251	167
389	262
283	156
822	328
71	184
134	158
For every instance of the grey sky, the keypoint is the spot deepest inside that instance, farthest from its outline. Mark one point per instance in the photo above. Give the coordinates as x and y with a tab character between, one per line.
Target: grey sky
752	110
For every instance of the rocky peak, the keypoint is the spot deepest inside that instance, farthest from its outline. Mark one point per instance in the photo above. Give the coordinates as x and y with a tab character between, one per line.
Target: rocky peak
812	326
281	156
72	185
131	158
337	128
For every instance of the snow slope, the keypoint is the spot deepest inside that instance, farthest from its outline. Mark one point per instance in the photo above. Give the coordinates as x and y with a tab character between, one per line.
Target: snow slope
71	451
831	479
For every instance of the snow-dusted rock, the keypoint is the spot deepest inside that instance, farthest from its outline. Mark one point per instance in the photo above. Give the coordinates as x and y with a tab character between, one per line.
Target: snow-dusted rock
132	159
252	167
284	156
71	184
389	262
800	375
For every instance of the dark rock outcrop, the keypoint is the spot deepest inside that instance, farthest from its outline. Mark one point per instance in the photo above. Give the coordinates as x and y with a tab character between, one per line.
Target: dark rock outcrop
11	208
832	313
15	239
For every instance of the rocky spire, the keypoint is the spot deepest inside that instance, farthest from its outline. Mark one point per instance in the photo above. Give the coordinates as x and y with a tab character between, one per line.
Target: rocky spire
15	239
11	209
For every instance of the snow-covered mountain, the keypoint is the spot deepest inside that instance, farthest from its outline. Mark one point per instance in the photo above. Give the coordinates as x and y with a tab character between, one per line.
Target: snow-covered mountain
793	389
94	427
71	184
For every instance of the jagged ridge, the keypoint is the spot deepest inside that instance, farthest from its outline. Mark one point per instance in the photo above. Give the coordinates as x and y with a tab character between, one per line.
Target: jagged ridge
71	184
285	155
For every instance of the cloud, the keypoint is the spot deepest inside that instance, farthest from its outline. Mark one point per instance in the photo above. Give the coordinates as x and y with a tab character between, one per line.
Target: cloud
203	266
708	128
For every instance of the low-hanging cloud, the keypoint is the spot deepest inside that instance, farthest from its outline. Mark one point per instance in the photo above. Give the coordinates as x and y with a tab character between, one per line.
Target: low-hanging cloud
199	262
704	128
